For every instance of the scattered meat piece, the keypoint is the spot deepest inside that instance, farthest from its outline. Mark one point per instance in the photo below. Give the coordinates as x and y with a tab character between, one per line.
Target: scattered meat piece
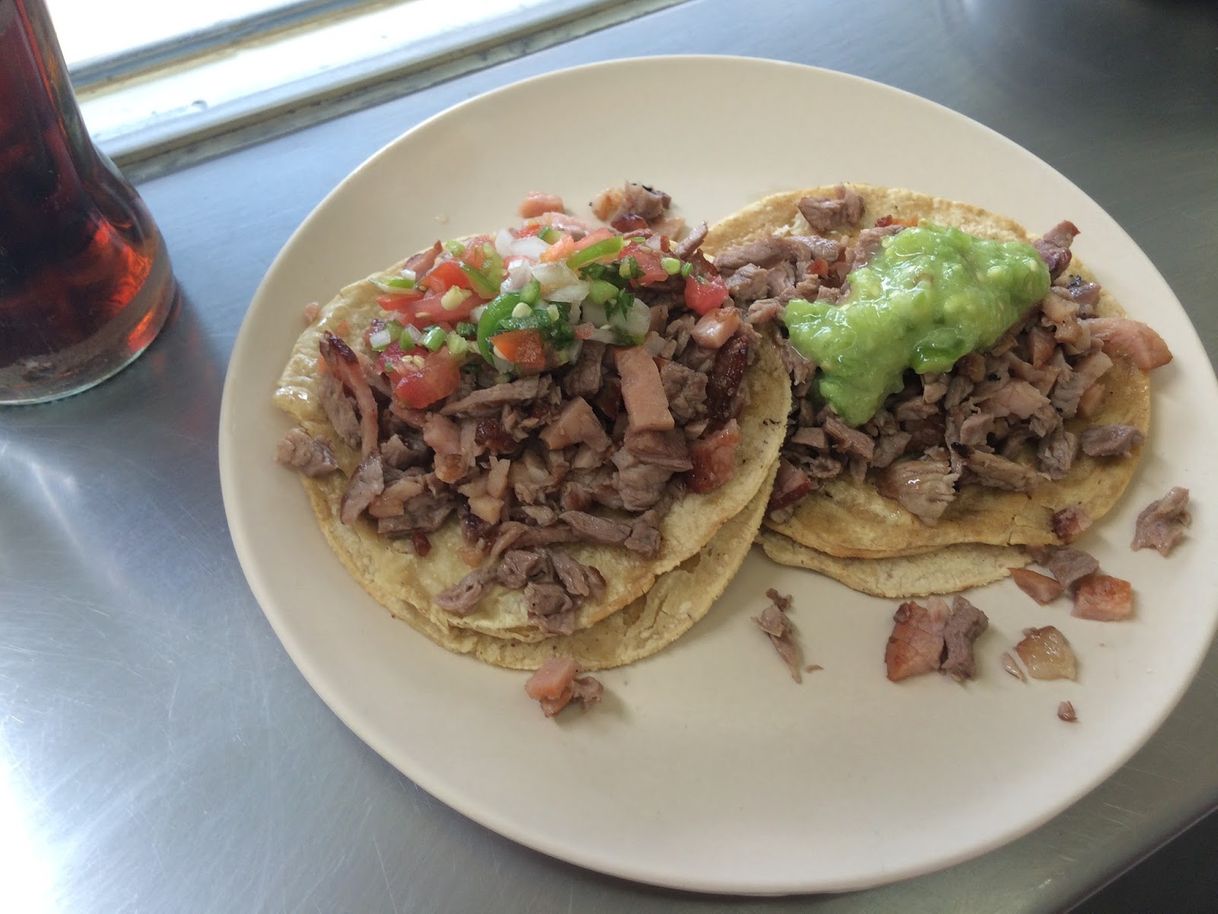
556	683
751	282
643	391
1068	565
1080	290
366	483
1132	339
1090	402
782	601
764	311
1009	664
1041	588
631	199
790	486
301	451
487	401
1071	386
725	378
513	534
576	423
869	243
1070	523
345	365
714	328
849	440
639	484
1054	247
535	203
517	566
577	579
825	213
691	242
916	643
546	599
924	487
713	458
403	453
584	377
1055	454
462	598
662	449
685	390
1103	598
644	535
1110	440
964	626
774	622
1047	654
1161	524
998	472
595	529
340	410
1066	712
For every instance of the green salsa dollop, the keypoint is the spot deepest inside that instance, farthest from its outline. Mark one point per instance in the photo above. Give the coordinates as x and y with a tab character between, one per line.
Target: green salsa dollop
929	297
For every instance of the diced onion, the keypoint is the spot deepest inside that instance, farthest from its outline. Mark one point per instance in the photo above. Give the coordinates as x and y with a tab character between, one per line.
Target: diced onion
415	333
654	242
529	246
503	242
521	310
575	292
380	339
519	273
408	274
555	276
476	314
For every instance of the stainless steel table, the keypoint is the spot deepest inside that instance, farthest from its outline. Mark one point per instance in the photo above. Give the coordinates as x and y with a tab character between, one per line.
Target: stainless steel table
158	750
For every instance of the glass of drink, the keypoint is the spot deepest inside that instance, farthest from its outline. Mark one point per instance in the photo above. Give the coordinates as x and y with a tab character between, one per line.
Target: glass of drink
85	280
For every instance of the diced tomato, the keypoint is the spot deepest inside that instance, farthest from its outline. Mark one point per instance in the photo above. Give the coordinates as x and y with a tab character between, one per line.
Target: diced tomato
425	379
529	228
444	275
650	270
426	311
475	251
523	348
561	249
704	294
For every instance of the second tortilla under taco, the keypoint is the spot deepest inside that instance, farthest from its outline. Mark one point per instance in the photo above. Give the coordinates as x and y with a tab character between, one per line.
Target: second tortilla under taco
513	436
956	380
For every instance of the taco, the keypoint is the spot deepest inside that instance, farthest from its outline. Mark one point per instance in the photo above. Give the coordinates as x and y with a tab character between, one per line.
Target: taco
513	436
956	381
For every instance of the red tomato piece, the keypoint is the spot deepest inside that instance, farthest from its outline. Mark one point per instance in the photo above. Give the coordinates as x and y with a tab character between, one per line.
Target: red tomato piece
425	311
426	379
649	269
523	348
704	294
444	275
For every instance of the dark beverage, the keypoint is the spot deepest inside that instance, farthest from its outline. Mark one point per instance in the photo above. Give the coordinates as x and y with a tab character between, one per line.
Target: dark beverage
85	281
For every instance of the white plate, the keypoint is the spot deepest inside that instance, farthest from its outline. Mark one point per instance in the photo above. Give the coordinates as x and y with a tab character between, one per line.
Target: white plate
707	768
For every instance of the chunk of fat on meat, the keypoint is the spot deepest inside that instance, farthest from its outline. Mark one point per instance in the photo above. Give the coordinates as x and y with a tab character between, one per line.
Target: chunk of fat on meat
1047	654
643	391
916	643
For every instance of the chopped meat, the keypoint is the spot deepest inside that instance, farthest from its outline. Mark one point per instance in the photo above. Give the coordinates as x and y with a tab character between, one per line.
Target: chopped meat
764	311
662	449
300	451
489	400
1103	598
916	643
535	203
339	410
402	453
1131	339
774	250
843	210
584	377
790	486
1070	523
774	622
691	242
462	598
848	440
345	365
1054	247
998	472
1009	664
1161	524
888	448
513	534
1110	440
644	535
423	513
869	243
714	328
595	529
751	282
1055	454
393	498
1072	385
713	458
577	579
1041	588
556	683
1068	564
642	390
725	378
576	423
1066	712
640	485
547	599
964	626
517	566
631	200
1047	654
924	487
685	390
365	484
